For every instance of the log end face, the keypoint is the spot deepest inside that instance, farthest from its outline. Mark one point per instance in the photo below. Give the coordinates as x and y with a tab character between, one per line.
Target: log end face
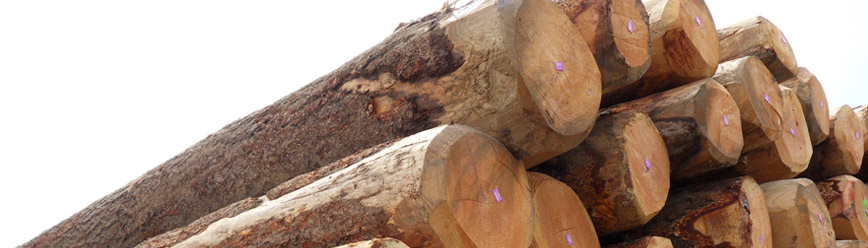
794	147
819	105
648	163
629	23
845	196
862	114
692	46
765	96
719	114
847	145
786	60
760	225
560	218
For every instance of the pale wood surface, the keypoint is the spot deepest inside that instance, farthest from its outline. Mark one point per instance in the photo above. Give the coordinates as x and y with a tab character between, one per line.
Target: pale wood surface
758	37
758	97
798	214
814	104
845	197
560	218
376	243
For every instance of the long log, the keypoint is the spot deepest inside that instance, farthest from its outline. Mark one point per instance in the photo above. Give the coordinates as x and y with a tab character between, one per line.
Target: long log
730	213
700	124
759	37
443	68
451	186
846	197
798	214
852	243
617	33
646	242
376	243
813	99
621	171
787	156
560	218
843	151
758	97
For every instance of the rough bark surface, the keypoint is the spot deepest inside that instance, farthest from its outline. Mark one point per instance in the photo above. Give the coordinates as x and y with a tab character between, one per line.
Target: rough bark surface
798	214
758	97
646	242
813	99
560	218
846	197
173	237
759	37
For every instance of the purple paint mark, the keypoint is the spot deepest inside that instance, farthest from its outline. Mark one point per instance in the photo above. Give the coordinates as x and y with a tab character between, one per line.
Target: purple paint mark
819	216
630	26
858	136
761	238
792	131
821	104
698	21
647	164
497	195
559	66
569	239
725	120
784	40
766	96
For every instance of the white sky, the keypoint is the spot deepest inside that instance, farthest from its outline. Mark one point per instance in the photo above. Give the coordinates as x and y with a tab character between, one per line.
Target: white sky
95	93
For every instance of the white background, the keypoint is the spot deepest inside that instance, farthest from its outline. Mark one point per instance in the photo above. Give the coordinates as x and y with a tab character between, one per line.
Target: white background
95	93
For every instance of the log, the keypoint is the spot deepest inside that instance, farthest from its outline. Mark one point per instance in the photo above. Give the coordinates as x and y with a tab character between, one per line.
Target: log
798	214
758	97
846	197
560	218
843	151
730	213
813	99
759	37
787	156
376	243
852	243
451	186
684	46
444	68
862	113
646	242
621	171
700	124
616	31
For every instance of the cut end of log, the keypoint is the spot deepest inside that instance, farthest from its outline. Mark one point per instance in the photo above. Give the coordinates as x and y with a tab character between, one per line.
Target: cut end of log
646	242
751	203
759	37
862	113
845	148
794	146
758	96
719	114
798	214
630	31
846	198
649	164
693	49
558	67
560	218
814	104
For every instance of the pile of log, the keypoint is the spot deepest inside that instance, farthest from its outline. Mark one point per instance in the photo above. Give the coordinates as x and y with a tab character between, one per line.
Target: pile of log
522	123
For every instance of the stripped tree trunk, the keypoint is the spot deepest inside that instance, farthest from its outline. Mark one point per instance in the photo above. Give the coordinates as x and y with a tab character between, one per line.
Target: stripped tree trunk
759	37
842	152
798	214
621	171
560	218
481	68
376	243
813	99
846	198
646	242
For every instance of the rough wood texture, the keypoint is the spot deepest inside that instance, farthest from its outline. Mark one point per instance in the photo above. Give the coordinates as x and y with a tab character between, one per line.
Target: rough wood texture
684	46
376	243
700	124
173	237
621	171
759	37
451	186
847	200
560	218
862	113
843	151
474	69
729	213
787	156
852	243
617	33
758	97
813	100
646	242
798	214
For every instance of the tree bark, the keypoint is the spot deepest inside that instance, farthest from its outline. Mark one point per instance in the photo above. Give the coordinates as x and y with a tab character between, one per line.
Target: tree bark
843	151
700	124
376	243
617	33
758	37
646	242
621	171
852	244
798	214
846	197
476	69
813	99
451	186
729	213
787	156
560	218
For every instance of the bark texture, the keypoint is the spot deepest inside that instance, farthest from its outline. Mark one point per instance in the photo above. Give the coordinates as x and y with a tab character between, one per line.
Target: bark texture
813	99
846	197
758	37
560	218
758	97
798	214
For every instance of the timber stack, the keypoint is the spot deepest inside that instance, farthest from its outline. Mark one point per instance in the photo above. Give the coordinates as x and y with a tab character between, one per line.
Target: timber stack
522	123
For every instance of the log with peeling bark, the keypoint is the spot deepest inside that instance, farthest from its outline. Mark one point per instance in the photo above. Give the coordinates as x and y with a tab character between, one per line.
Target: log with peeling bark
646	242
787	156
729	213
846	197
852	243
758	97
798	214
758	37
451	186
560	218
842	152
621	171
700	125
376	243
813	99
509	70
684	47
617	33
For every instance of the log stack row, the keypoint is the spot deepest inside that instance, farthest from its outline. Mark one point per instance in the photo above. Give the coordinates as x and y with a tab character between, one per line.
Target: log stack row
522	123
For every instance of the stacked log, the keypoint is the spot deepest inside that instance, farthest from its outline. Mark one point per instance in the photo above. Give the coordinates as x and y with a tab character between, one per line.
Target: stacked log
560	218
798	214
760	38
846	198
813	99
842	151
646	242
852	243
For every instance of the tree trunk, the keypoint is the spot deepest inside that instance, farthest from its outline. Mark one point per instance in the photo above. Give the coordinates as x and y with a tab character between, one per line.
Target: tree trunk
699	123
646	242
684	46
376	243
852	243
758	97
621	171
846	198
451	186
759	37
842	152
729	213
560	218
813	99
476	69
798	214
787	156
617	33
